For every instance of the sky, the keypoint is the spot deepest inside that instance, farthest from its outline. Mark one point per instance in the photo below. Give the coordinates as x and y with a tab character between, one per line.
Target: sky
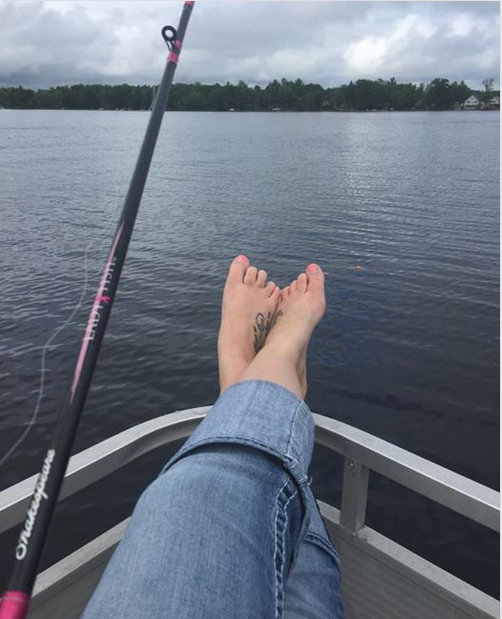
49	43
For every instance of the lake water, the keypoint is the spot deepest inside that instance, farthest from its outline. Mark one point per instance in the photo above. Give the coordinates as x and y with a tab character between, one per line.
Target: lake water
400	209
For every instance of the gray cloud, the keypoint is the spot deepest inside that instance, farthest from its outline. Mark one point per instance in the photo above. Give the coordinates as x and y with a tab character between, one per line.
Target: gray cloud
60	42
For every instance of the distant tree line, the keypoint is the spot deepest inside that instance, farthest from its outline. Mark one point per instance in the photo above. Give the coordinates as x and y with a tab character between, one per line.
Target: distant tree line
440	94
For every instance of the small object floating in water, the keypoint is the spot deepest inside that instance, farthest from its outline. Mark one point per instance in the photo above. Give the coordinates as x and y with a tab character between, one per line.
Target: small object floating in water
359	267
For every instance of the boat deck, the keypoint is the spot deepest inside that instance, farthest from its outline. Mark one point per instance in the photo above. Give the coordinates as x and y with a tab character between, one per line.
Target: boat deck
380	578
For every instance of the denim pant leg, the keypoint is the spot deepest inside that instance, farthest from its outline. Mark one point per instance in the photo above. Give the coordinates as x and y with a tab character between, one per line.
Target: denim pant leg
313	586
224	531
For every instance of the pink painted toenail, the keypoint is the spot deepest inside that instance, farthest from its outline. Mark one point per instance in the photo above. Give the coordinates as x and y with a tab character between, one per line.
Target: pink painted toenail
242	258
312	268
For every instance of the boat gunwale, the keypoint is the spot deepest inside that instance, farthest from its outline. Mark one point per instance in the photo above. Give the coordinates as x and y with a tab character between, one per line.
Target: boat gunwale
360	449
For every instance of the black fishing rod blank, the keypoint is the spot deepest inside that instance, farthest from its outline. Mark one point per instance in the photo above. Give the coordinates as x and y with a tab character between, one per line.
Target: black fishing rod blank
16	599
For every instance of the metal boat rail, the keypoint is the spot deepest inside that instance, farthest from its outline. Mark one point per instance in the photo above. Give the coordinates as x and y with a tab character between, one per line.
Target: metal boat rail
379	577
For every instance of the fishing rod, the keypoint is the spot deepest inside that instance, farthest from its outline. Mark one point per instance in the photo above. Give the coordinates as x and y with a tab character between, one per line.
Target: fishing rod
15	601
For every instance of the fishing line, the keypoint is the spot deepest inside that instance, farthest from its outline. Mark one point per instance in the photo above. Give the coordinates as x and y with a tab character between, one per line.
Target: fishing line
57	331
45	347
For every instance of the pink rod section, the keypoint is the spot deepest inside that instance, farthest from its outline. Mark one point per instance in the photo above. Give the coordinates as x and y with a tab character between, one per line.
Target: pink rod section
98	299
14	605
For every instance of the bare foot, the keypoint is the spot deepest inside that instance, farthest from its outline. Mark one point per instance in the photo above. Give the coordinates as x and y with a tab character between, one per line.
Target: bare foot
247	314
283	358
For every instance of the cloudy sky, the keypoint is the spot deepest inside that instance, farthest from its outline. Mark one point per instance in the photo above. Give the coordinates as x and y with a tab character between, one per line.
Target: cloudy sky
46	43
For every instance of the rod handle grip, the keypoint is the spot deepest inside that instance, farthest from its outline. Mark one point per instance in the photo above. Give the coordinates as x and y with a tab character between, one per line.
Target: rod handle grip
14	605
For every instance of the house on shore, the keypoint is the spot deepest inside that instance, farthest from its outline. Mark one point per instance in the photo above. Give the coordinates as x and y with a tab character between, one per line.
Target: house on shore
472	103
493	104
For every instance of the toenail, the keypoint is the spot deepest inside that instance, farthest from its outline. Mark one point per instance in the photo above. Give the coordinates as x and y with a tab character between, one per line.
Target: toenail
242	258
312	268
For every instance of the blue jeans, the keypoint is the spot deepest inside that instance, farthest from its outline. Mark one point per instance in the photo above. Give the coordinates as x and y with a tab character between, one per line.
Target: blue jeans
230	529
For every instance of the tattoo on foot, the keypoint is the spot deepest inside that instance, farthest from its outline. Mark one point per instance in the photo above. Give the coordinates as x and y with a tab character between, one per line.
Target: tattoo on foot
262	328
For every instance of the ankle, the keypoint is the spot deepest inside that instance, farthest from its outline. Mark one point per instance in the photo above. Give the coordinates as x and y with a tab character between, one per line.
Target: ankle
277	365
289	351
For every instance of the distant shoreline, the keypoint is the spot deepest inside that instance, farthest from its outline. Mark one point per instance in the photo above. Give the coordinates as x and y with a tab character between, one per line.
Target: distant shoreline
284	96
41	109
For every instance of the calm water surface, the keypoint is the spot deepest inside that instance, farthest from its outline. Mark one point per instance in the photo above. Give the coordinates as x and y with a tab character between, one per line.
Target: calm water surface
402	212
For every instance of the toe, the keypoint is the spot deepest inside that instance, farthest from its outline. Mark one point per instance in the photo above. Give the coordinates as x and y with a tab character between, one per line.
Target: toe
270	288
292	286
315	278
250	276
301	282
276	295
237	270
261	278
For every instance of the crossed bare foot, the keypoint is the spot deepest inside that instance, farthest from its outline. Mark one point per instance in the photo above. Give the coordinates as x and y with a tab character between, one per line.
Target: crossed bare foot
265	332
247	312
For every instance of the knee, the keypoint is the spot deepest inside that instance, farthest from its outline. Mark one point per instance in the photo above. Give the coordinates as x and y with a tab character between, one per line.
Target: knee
200	474
212	473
